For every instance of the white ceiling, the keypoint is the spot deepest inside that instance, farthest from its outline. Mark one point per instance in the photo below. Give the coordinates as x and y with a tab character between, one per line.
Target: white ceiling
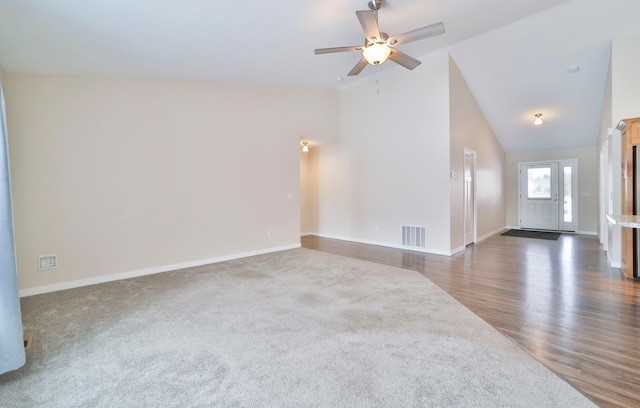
513	54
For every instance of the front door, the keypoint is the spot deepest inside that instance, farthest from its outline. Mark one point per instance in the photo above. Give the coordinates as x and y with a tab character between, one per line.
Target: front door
548	195
539	196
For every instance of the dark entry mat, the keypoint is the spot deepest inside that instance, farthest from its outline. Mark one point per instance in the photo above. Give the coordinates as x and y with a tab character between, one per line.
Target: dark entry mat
532	234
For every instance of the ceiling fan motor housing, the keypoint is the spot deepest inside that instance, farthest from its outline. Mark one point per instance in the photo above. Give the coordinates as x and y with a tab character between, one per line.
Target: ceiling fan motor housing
375	4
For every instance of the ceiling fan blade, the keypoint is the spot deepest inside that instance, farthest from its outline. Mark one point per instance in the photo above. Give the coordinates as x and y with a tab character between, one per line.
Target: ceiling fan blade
418	34
336	49
359	67
369	23
403	59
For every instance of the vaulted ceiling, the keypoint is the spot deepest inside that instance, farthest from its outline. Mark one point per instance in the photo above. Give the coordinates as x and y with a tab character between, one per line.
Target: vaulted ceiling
514	55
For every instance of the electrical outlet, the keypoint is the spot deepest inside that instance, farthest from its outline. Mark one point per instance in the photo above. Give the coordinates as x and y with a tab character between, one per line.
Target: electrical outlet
48	262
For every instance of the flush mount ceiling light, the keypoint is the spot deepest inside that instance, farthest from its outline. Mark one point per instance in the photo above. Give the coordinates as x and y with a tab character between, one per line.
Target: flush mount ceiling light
538	120
305	148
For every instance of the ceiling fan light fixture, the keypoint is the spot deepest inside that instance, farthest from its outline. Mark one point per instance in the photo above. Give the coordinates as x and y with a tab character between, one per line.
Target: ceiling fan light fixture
376	53
379	46
538	120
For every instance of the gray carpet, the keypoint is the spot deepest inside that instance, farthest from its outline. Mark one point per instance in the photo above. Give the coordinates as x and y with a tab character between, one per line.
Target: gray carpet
297	328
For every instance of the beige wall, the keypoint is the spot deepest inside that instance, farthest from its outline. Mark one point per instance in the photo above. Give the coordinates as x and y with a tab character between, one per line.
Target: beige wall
308	192
115	176
587	183
470	129
391	166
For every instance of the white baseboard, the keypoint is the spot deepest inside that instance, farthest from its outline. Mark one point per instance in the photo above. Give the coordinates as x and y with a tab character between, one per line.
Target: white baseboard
492	233
384	244
304	234
457	250
478	240
149	271
617	265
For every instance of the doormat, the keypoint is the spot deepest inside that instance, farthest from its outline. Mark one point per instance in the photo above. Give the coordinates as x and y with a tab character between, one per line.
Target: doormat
553	236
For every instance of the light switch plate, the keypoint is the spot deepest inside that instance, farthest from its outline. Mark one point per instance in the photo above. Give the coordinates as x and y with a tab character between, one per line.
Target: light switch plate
48	262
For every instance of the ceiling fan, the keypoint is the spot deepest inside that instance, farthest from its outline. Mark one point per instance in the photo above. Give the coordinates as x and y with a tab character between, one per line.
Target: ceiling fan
378	46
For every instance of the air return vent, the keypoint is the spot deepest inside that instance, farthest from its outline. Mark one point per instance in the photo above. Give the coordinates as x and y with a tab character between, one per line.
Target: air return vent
28	340
414	236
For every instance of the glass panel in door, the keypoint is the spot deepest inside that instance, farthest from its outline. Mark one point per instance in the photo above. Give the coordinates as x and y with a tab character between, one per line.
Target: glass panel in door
539	196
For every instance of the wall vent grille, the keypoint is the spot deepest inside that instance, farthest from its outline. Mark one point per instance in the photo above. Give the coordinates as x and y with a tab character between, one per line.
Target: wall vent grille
414	236
28	340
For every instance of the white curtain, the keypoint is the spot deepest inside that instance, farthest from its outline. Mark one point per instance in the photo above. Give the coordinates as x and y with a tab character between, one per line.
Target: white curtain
12	354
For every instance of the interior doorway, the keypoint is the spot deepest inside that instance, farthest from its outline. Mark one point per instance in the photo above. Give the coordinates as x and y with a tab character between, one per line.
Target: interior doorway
469	197
548	195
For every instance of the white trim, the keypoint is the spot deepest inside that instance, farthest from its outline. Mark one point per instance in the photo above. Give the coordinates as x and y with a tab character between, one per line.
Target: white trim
149	271
494	232
385	244
511	227
617	265
575	193
304	234
474	155
458	250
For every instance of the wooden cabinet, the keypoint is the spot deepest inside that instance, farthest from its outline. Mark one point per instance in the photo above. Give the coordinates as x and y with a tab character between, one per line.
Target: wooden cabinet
630	130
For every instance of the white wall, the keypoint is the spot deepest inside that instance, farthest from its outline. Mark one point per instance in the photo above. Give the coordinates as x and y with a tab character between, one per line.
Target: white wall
391	166
116	176
614	201
606	117
587	183
470	129
603	185
625	79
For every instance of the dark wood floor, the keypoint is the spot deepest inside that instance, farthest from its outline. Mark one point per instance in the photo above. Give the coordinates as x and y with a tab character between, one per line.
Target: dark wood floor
558	300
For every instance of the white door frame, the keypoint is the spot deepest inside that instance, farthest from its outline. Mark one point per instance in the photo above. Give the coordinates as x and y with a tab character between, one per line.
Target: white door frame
603	195
573	163
474	155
